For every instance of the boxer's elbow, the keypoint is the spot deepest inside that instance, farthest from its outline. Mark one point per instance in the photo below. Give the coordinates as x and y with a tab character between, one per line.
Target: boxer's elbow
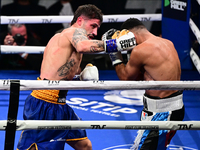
122	76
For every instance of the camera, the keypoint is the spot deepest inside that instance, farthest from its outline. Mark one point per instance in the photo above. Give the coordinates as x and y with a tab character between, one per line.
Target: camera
19	39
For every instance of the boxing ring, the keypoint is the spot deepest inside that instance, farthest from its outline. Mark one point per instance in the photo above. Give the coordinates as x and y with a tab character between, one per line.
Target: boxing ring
110	106
98	111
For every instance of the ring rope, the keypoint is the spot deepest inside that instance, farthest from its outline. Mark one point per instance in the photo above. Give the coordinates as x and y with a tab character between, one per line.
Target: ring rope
62	125
67	19
102	85
195	29
193	55
198	1
195	59
130	125
7	49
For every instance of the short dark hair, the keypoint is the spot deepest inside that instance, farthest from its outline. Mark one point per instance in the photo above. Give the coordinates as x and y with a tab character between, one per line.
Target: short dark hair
90	11
132	23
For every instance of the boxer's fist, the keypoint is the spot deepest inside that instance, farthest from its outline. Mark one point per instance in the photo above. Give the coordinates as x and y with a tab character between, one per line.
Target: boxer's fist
125	41
116	57
116	35
108	35
89	73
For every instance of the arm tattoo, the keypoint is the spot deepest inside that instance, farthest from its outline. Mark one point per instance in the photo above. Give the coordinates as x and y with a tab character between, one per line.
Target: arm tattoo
79	35
99	45
65	69
93	49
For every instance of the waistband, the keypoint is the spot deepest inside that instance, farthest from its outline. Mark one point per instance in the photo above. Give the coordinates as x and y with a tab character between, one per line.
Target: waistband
170	103
51	96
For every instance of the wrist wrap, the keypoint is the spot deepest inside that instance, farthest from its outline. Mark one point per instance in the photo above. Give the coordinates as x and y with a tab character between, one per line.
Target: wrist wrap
111	46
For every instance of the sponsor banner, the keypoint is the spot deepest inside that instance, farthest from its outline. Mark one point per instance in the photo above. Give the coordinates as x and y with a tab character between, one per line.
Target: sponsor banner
115	103
175	27
175	9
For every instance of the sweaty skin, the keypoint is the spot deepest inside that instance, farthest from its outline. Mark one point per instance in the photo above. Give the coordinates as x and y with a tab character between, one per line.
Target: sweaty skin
63	53
154	58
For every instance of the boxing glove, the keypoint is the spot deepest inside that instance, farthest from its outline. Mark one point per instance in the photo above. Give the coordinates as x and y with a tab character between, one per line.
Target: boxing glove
108	35
89	73
116	58
125	41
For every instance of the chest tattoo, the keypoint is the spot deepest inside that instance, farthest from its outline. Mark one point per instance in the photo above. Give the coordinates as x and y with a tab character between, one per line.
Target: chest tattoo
65	69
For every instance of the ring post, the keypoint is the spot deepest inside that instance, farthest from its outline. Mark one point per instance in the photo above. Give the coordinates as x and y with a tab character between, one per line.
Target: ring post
175	27
12	115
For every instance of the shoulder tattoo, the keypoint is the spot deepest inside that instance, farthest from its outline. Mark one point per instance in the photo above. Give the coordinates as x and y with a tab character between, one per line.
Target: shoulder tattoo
79	35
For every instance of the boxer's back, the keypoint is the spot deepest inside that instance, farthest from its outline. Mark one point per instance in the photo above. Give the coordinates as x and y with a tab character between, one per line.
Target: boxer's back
161	62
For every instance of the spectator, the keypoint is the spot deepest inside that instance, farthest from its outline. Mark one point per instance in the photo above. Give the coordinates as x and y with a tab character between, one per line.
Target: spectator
17	35
61	7
27	8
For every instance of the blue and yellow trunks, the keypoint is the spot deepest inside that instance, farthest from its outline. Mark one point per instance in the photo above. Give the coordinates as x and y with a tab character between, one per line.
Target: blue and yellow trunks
43	105
51	96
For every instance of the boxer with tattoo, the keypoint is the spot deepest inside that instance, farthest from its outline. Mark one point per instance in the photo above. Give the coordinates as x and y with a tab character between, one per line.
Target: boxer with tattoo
61	61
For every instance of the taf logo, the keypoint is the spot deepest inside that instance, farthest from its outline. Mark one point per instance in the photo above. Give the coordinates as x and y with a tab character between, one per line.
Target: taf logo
46	20
6	82
112	19
98	126
53	82
13	21
185	126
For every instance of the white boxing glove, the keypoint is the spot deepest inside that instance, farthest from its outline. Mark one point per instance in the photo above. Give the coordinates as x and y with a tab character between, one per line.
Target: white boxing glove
125	41
89	73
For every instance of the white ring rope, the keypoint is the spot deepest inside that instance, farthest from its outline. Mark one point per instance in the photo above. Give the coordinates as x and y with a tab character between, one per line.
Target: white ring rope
7	49
76	85
67	19
195	59
193	55
102	85
195	29
128	125
198	1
